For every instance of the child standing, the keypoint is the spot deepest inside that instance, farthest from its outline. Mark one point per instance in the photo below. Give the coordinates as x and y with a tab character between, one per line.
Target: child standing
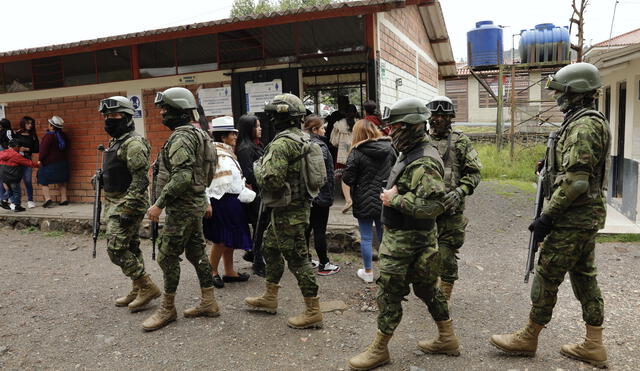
11	172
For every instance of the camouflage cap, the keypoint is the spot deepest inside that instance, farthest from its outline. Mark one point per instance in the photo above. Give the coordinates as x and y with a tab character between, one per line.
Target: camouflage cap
286	104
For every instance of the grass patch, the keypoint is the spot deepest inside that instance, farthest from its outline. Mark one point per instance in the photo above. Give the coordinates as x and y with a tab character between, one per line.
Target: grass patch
524	186
475	129
498	165
54	234
622	237
29	230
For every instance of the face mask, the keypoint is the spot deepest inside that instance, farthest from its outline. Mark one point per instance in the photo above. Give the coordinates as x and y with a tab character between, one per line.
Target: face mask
116	127
173	118
406	137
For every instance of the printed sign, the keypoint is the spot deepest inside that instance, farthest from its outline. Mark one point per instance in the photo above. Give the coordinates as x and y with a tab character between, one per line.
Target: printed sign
216	101
258	93
137	106
2	111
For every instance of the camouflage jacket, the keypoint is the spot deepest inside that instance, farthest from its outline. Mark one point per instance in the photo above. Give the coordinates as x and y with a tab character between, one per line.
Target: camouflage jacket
420	193
461	162
582	147
135	152
177	163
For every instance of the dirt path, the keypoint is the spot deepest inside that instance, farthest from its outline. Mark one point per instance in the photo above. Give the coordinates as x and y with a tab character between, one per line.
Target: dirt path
56	308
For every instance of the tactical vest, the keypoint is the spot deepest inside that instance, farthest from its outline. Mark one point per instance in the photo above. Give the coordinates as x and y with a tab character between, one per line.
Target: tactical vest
447	151
393	218
115	173
555	176
204	164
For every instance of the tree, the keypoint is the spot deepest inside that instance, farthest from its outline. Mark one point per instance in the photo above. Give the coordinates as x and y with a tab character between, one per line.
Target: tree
577	18
251	7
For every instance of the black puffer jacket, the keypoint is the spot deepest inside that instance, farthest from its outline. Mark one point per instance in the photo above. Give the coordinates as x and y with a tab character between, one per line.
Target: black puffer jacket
368	168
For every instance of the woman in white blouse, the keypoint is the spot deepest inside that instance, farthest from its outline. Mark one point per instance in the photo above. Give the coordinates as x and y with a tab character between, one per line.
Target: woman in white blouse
225	223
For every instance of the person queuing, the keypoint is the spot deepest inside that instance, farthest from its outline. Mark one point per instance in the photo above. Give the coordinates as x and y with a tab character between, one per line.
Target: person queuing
573	214
28	144
6	134
225	223
249	150
372	114
462	175
282	188
368	166
11	172
186	165
125	179
54	169
412	200
341	138
321	204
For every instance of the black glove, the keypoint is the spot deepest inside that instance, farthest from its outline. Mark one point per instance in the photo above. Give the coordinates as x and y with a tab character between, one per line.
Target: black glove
453	199
541	227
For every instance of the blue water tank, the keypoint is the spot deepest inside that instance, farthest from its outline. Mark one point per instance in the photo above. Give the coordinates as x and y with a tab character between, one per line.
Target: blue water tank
484	45
544	43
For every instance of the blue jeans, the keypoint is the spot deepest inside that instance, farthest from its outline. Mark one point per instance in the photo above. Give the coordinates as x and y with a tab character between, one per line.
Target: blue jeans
28	182
366	237
14	193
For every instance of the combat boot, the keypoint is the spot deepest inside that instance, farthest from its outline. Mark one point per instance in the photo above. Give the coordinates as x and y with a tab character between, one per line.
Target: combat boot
377	354
446	343
523	342
125	300
207	307
311	318
147	291
268	302
163	316
591	350
446	288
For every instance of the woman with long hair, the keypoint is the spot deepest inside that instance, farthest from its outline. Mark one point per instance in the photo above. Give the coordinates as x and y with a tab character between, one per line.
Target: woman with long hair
341	138
54	150
28	144
368	167
248	150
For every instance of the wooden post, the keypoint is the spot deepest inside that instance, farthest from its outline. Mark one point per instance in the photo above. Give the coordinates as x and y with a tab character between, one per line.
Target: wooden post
512	128
500	107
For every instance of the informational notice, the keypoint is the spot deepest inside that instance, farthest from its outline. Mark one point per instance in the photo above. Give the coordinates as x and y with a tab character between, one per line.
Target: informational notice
137	106
258	93
2	113
216	101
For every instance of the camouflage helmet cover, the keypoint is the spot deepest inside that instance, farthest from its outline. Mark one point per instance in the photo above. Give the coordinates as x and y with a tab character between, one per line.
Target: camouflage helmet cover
116	104
407	110
575	78
286	104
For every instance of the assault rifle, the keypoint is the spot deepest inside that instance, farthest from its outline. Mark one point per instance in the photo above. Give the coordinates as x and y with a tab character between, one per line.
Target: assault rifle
154	197
543	188
97	202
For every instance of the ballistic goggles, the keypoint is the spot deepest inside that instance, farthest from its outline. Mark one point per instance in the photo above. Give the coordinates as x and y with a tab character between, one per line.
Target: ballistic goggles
553	84
108	105
159	98
386	114
440	105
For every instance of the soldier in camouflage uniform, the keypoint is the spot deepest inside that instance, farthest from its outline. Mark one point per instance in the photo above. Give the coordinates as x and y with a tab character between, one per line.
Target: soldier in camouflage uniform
461	177
125	180
186	165
408	252
576	209
280	172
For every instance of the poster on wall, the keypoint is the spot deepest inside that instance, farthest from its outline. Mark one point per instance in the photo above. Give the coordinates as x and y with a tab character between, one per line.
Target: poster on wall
216	101
2	114
257	93
137	106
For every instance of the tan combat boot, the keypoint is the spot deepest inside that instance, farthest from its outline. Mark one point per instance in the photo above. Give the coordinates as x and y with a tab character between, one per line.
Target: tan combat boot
446	289
591	350
164	315
523	342
207	307
268	302
377	354
147	291
311	318
446	343
125	300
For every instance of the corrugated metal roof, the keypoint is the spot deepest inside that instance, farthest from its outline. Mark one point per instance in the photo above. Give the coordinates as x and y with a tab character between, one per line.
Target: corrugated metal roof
629	38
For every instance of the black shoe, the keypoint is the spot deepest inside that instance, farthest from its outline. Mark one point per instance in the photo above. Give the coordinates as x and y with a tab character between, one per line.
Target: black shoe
248	256
218	282
259	270
47	203
5	205
19	209
241	277
64	203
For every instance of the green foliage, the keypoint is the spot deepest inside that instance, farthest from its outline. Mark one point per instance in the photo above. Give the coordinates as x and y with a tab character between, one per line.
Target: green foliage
54	234
497	165
29	230
622	237
251	7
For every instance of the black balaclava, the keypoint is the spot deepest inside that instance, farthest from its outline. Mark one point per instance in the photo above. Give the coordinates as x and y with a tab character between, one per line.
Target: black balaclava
408	136
117	127
174	117
284	122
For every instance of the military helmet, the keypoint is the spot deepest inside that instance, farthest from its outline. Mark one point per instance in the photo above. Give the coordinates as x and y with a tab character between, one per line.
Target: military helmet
443	105
408	111
179	98
286	104
575	78
116	104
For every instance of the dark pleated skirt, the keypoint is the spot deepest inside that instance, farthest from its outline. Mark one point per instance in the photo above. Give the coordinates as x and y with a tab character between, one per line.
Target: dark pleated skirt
55	173
228	224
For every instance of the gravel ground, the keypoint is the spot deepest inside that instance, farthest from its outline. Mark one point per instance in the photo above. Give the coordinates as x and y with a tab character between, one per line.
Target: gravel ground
57	312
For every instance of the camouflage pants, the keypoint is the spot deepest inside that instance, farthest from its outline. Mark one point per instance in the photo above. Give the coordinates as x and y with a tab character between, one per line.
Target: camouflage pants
123	245
284	239
182	232
450	239
396	274
567	250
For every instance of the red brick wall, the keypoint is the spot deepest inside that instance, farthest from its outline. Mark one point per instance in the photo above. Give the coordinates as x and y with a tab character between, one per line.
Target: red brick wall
409	21
396	52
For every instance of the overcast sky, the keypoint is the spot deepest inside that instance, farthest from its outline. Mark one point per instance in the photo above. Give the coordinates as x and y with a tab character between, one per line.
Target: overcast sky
31	23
